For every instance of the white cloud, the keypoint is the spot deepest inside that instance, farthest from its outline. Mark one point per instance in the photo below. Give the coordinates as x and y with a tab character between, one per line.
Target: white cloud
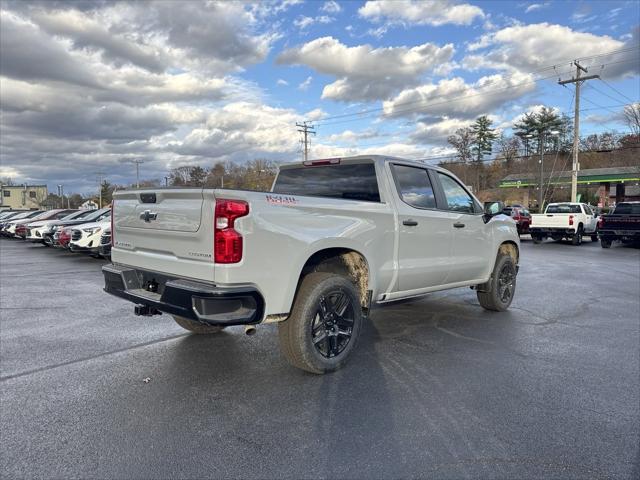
302	22
331	7
349	136
315	115
282	82
420	12
238	127
535	6
364	72
305	85
456	98
530	47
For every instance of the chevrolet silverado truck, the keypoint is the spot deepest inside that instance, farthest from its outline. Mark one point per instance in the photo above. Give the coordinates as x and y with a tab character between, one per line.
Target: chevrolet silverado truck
623	224
564	220
332	238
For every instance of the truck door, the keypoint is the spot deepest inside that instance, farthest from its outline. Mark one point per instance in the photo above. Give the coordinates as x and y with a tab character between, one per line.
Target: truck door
472	254
425	234
591	220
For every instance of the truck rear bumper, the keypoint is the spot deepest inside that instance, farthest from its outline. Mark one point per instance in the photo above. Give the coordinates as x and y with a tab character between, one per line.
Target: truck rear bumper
552	230
202	302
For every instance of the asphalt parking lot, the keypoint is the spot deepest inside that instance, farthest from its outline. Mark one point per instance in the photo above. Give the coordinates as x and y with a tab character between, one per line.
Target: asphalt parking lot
438	388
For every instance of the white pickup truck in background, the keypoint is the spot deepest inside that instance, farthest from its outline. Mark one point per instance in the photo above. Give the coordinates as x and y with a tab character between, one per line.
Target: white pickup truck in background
564	220
332	238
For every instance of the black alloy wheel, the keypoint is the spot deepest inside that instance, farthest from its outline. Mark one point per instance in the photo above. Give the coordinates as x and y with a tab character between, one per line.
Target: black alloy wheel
332	327
506	282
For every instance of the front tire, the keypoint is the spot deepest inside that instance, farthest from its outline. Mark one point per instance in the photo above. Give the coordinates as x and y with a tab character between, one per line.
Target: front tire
501	286
324	324
197	327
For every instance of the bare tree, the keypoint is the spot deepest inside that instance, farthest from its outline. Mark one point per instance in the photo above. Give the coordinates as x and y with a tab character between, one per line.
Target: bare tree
632	115
509	148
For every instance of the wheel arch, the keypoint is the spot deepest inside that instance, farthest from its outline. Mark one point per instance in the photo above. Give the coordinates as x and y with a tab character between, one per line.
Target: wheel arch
341	261
510	248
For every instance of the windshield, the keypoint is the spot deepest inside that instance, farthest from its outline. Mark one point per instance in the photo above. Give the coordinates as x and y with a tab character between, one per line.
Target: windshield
97	215
78	214
563	208
21	215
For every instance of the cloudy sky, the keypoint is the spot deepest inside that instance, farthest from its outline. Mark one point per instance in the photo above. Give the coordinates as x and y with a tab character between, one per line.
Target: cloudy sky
88	86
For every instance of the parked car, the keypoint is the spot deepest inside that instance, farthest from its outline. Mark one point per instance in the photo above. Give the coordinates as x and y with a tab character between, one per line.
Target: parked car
42	231
91	216
564	220
24	229
7	214
85	238
521	216
105	243
62	237
332	238
623	224
8	228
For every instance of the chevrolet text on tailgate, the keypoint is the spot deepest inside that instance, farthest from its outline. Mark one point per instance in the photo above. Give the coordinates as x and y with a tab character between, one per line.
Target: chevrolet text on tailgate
331	239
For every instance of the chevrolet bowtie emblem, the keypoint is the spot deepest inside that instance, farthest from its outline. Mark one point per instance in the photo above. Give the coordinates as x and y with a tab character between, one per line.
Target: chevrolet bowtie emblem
148	215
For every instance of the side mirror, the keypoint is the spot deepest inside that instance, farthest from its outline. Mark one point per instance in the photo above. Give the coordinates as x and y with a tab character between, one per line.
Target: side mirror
491	209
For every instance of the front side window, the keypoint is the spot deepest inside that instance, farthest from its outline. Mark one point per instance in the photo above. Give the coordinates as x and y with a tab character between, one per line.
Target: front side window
414	186
458	200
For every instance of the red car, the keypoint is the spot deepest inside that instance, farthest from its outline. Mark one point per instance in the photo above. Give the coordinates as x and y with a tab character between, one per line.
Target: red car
63	238
521	216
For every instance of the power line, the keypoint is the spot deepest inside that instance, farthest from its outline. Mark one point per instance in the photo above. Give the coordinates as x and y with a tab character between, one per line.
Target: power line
364	113
616	90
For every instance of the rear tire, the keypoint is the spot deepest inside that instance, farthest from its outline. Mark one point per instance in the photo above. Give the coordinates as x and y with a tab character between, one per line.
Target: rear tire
197	327
536	238
324	324
604	243
501	286
577	237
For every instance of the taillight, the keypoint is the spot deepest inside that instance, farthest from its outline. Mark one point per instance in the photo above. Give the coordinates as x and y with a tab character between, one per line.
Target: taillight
600	222
570	219
227	241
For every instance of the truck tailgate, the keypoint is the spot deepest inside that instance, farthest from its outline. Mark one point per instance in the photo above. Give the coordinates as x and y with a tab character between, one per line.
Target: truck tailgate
165	230
550	220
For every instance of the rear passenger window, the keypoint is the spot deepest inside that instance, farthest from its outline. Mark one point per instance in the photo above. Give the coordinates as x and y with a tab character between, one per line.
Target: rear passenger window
414	186
458	200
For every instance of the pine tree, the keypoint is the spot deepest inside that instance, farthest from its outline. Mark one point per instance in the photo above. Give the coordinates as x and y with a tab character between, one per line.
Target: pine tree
484	137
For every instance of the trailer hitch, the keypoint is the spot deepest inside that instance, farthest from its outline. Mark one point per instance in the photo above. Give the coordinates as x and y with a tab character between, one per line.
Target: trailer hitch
146	311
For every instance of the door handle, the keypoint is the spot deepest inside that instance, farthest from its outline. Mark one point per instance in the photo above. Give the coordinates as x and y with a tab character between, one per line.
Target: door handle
410	223
458	225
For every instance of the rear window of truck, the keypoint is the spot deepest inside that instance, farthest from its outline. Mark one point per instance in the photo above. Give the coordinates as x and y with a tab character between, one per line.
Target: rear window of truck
349	182
563	209
627	209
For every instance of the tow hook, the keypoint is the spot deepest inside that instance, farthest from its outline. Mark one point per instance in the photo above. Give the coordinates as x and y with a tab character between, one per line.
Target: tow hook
146	311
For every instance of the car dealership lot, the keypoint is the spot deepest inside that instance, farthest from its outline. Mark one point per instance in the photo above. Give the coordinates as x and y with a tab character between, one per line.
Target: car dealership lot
437	388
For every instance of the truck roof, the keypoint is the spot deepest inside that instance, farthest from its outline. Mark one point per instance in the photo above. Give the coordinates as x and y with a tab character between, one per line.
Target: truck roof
360	158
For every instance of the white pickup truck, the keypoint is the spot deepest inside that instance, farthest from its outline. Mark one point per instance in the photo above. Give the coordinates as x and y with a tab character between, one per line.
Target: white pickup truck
332	238
564	220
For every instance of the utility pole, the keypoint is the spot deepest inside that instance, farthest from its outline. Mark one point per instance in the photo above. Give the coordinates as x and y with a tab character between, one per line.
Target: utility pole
137	162
306	129
100	174
576	125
